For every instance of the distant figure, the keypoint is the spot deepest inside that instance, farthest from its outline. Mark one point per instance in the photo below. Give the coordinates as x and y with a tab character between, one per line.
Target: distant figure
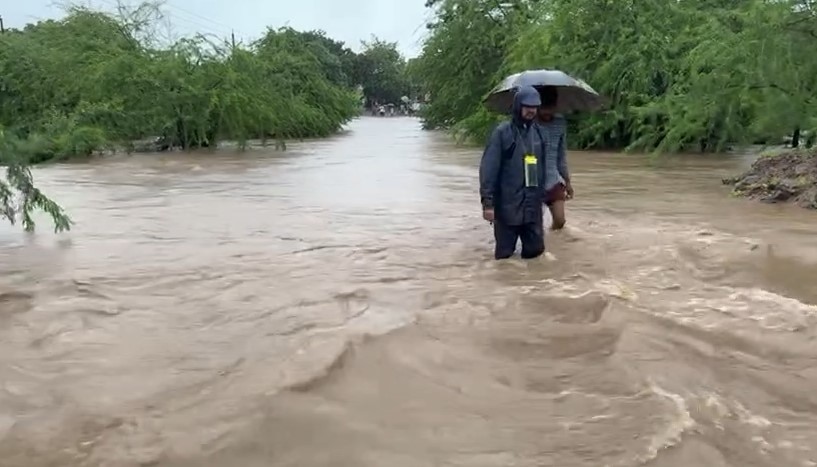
510	176
382	111
557	177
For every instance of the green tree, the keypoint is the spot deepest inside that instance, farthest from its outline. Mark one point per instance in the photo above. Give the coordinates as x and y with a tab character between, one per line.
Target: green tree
19	198
696	75
463	57
381	71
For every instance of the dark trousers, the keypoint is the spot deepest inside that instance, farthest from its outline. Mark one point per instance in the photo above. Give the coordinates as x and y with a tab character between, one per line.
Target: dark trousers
532	236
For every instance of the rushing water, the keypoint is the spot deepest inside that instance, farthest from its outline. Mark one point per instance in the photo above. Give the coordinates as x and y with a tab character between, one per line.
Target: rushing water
338	305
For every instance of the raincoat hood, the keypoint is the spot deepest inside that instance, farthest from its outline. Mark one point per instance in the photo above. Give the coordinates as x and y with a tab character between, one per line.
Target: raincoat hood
526	96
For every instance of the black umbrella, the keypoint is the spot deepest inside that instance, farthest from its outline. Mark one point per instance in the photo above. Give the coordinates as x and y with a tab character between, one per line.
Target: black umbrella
574	94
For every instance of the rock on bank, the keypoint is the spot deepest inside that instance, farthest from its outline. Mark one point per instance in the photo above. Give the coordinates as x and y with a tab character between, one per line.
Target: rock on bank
789	176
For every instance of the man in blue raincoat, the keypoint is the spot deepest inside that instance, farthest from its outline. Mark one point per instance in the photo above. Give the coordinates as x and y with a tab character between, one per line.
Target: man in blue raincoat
511	177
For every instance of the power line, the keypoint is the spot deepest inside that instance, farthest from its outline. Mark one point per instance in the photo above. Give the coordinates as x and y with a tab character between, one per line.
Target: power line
215	28
196	15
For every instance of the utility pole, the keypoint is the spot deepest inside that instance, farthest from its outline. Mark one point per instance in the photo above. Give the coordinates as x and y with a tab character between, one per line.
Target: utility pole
2	29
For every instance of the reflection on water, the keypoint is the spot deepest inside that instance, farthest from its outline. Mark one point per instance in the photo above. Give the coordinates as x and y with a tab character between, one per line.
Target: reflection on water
338	304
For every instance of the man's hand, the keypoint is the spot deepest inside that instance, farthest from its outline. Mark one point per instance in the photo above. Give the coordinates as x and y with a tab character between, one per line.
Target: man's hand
569	190
488	214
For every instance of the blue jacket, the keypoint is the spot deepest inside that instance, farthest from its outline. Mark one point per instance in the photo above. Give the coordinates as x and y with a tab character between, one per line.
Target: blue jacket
502	172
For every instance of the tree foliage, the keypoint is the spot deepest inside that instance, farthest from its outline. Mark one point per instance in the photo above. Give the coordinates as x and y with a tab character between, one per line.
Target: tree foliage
382	72
688	75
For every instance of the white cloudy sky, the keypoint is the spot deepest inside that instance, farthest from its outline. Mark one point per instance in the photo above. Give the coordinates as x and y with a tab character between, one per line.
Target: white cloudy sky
347	20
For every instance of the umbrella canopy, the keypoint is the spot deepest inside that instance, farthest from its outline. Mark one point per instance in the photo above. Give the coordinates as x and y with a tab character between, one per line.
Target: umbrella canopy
574	94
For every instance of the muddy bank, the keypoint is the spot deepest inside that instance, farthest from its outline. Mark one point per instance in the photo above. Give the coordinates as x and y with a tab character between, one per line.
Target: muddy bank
789	176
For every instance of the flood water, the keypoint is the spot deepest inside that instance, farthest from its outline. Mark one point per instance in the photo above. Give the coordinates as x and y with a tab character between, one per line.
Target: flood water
338	304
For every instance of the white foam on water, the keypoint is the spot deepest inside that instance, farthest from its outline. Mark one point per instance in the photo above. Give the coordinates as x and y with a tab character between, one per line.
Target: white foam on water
674	431
616	289
766	309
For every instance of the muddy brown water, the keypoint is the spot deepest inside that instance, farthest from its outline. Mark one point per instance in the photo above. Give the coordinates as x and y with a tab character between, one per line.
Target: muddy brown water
337	305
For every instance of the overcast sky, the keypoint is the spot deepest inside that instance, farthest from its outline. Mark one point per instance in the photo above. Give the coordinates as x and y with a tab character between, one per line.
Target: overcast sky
347	20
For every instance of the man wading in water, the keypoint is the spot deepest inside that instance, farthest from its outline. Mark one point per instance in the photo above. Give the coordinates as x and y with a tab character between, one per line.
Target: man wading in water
510	176
557	178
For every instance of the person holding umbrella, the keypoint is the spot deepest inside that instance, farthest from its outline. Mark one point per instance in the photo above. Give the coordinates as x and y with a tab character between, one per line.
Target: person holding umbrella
560	94
557	182
511	173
